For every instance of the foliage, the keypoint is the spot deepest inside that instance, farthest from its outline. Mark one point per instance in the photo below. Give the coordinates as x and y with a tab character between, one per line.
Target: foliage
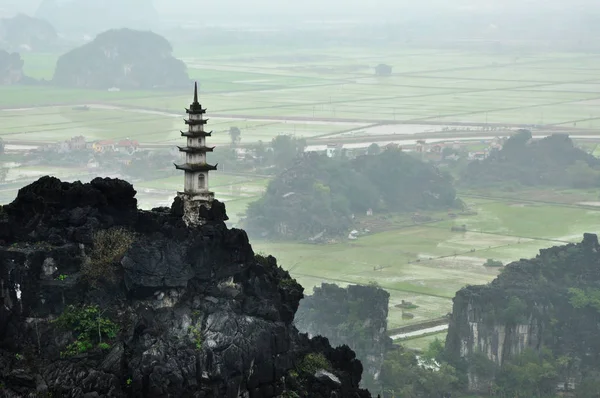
110	245
148	165
320	194
558	295
355	316
197	336
531	374
589	387
403	376
235	135
89	327
286	148
373	149
493	263
553	161
313	362
580	298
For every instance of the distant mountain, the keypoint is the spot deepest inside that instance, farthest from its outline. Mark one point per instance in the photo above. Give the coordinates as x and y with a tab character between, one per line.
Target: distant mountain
93	16
552	161
25	33
123	58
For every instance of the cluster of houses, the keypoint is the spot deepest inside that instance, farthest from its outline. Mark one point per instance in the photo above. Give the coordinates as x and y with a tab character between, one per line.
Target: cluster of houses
430	151
79	143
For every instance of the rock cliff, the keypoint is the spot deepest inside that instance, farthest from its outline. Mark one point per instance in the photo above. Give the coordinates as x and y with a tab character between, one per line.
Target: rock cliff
125	59
24	33
11	68
100	299
549	302
355	316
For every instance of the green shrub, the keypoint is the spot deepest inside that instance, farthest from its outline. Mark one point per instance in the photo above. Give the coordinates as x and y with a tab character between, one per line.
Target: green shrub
89	326
197	336
313	362
493	263
109	247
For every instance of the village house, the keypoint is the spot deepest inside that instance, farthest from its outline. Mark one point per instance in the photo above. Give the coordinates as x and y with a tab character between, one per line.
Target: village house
127	146
332	150
479	155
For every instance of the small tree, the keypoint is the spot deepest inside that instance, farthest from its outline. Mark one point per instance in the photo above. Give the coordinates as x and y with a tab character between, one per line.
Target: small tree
493	263
373	149
235	134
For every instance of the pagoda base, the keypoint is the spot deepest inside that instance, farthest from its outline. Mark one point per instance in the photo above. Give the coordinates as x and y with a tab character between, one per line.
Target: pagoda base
192	202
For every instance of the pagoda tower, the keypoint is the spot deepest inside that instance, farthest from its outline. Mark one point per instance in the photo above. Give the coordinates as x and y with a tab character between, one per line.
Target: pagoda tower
195	192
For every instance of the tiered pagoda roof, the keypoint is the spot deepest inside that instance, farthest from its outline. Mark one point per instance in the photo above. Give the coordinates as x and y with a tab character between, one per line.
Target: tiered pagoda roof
195	109
199	149
196	167
195	134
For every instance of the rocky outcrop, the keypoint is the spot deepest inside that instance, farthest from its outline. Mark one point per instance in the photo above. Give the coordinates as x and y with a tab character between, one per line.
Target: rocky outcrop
551	301
11	68
550	161
124	59
355	316
24	33
100	299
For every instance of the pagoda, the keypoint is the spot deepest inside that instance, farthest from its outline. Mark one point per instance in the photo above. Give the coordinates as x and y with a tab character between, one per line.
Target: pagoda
195	192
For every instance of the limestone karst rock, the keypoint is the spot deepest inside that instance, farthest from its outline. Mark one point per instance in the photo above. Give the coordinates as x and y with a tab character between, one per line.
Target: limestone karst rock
356	316
25	33
547	302
11	68
179	311
125	59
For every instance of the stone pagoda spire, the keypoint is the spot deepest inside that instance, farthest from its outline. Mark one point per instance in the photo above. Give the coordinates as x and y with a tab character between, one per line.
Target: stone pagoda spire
195	193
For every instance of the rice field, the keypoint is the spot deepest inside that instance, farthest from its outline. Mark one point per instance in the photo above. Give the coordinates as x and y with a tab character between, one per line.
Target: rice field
427	264
260	90
328	84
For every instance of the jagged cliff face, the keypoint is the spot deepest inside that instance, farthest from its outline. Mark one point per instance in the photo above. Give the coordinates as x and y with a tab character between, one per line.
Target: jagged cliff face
11	68
181	312
355	316
533	304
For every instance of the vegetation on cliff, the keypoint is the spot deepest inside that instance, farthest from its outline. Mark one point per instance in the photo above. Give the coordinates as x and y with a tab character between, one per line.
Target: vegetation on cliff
122	58
319	194
552	161
355	316
102	299
534	327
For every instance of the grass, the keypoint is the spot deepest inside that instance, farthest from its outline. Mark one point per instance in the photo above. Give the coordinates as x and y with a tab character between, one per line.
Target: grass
427	264
422	264
61	123
422	343
445	84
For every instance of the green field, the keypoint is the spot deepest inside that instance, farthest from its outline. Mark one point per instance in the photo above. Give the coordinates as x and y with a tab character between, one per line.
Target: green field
427	264
327	83
422	264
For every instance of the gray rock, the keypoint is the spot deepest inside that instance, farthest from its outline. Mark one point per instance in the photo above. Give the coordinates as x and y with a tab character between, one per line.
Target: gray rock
328	377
